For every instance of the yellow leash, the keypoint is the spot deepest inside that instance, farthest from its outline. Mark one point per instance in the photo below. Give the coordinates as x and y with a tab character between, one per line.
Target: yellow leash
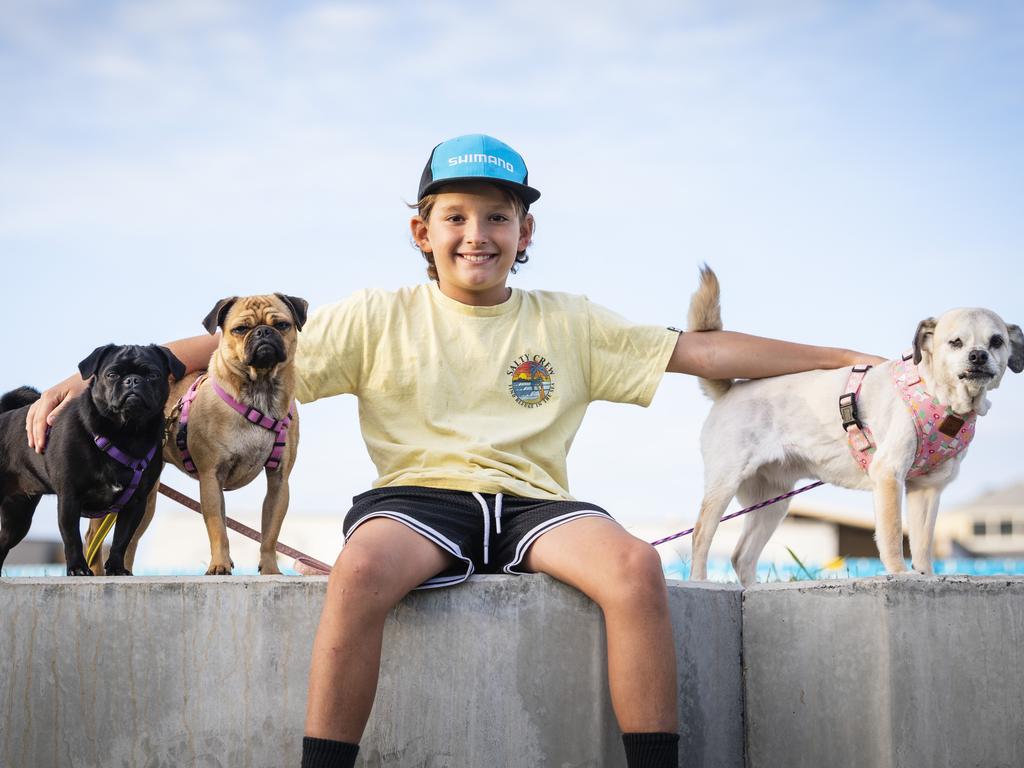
101	533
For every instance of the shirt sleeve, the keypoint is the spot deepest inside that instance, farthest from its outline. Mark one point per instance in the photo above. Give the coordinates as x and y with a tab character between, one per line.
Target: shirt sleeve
627	361
331	355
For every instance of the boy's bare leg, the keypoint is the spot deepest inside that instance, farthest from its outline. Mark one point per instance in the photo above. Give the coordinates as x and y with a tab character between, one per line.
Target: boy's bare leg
381	562
623	575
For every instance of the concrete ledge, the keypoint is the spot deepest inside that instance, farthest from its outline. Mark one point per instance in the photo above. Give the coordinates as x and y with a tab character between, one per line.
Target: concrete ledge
211	672
890	672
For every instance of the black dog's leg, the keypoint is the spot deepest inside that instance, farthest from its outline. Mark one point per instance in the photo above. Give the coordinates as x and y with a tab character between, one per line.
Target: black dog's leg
128	520
68	520
15	520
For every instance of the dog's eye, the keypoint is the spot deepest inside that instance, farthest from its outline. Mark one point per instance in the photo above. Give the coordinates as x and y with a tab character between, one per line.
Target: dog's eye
955	343
996	342
240	330
112	375
282	325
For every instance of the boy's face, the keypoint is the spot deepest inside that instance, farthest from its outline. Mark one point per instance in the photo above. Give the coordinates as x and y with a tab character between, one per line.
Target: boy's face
474	235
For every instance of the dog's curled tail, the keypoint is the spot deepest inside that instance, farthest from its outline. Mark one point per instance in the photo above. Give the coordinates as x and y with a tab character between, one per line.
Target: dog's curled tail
706	315
17	398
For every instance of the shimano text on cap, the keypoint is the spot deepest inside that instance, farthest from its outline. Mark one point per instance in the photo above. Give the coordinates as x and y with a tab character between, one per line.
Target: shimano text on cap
476	157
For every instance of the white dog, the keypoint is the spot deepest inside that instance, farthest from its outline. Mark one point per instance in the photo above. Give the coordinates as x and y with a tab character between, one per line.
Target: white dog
907	424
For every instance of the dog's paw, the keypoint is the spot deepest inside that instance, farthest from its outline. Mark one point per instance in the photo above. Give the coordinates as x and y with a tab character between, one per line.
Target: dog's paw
270	568
117	571
219	569
81	569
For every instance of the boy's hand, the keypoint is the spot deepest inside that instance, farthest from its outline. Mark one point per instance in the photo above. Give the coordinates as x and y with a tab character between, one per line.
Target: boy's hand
43	412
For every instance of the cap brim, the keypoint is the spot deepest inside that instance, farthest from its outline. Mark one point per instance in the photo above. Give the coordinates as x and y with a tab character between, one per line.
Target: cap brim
528	195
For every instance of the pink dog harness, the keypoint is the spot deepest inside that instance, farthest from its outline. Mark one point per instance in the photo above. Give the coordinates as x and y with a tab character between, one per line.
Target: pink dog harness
941	434
278	426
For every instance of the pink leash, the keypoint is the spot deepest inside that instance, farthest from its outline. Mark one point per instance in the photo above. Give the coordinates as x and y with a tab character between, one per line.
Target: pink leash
310	562
759	505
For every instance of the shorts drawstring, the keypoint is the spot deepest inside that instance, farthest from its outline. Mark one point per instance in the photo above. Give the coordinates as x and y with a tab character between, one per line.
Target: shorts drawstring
487	525
487	521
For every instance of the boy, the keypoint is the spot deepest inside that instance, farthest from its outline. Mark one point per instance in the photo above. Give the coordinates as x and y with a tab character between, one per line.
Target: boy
470	394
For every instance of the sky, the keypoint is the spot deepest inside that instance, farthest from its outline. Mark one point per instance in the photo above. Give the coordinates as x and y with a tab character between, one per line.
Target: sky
847	168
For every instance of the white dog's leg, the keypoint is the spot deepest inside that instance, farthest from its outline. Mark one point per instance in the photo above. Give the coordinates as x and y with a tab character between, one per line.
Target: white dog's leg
716	499
922	509
888	493
758	526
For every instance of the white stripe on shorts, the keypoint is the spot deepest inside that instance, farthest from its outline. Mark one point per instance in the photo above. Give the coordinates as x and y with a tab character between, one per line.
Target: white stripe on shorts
548	525
428	533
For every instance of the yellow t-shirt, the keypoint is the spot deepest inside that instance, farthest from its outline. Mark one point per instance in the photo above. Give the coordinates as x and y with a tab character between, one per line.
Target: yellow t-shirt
484	399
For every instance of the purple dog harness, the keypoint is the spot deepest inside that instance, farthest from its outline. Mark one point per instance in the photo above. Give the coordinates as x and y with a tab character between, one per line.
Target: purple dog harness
278	426
138	466
941	434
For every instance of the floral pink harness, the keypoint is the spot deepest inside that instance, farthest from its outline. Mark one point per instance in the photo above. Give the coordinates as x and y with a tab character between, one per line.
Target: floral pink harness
941	434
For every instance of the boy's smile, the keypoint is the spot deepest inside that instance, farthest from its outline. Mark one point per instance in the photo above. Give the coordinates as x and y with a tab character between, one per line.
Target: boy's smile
473	233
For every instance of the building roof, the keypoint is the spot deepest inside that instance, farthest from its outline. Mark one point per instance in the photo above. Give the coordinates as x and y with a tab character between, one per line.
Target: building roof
1010	496
839	518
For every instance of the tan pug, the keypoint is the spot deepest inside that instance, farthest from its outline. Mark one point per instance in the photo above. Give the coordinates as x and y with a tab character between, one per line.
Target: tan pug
254	366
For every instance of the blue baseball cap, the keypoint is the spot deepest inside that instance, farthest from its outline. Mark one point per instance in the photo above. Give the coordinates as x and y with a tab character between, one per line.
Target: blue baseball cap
476	157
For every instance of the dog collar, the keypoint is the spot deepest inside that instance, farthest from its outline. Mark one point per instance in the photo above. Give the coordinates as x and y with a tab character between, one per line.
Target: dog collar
941	434
278	426
138	466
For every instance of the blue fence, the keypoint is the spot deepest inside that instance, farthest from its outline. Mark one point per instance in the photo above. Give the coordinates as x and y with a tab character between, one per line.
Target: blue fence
718	569
847	568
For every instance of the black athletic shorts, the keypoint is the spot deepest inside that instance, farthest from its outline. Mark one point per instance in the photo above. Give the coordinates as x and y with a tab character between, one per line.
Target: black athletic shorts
486	532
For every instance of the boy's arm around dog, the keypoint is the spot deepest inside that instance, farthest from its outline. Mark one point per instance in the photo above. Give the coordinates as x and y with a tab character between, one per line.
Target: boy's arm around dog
728	355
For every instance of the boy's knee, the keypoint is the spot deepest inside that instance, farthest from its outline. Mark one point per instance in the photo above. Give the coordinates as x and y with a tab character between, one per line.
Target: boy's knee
638	574
360	574
643	559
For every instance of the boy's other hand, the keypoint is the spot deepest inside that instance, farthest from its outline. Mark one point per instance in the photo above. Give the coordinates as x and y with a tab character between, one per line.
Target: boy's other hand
44	411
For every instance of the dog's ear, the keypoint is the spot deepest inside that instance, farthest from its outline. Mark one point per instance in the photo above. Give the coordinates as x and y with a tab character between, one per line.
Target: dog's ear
1016	361
923	338
94	361
215	319
298	308
174	366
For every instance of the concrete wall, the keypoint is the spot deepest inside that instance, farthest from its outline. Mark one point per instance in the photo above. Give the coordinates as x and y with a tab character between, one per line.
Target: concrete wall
212	671
885	672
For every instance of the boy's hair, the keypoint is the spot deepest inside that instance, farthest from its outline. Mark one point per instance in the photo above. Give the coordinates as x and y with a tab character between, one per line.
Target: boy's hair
426	204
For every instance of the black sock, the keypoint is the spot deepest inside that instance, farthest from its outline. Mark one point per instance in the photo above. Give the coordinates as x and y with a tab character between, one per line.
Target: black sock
324	753
651	750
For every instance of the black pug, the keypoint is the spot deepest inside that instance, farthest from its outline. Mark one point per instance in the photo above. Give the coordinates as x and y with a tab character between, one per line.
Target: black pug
103	453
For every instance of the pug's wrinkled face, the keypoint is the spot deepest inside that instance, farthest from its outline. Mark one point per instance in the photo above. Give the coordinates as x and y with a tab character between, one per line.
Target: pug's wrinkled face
260	332
969	350
130	383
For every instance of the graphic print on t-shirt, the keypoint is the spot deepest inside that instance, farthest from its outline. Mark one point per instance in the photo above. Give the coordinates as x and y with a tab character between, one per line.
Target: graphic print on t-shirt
532	380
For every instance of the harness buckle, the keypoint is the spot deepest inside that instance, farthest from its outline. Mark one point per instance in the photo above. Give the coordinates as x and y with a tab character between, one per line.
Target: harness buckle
848	411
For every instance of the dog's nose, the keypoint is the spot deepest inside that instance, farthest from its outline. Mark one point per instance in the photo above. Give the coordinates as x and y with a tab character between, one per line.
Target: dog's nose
977	357
131	382
262	331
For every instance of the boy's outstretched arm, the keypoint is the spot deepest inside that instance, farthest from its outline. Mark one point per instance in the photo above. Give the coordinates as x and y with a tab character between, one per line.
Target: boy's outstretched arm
730	355
194	352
